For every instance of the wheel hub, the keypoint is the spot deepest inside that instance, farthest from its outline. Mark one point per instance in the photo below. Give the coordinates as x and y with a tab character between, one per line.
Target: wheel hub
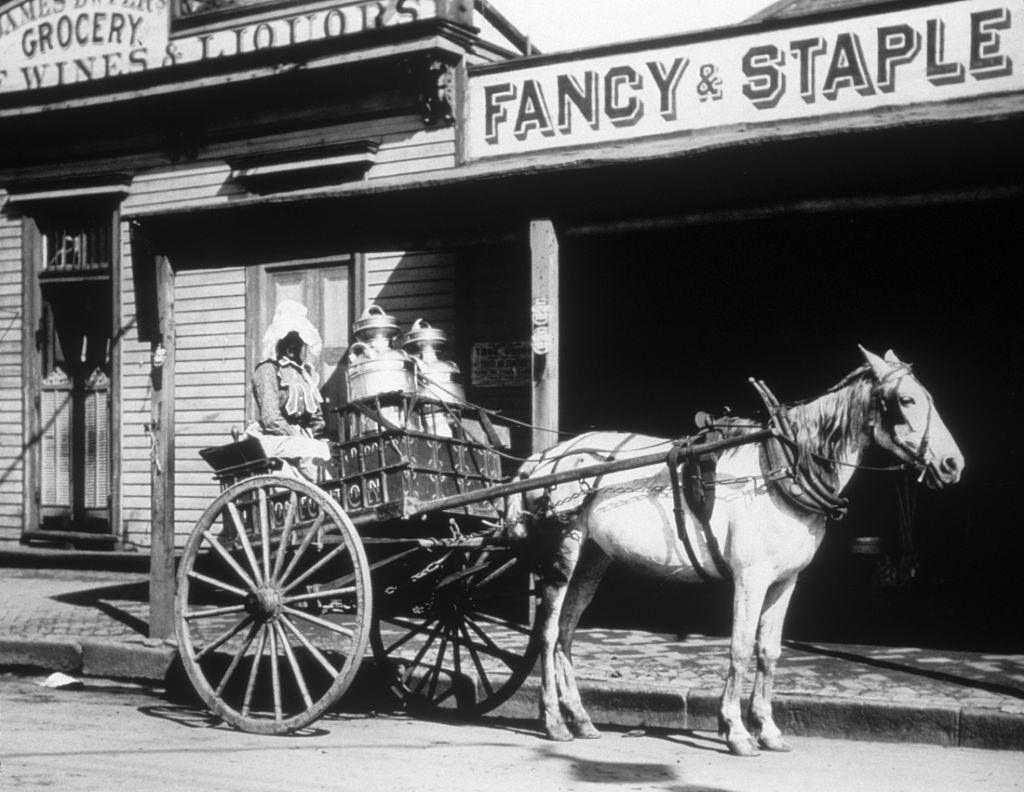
265	603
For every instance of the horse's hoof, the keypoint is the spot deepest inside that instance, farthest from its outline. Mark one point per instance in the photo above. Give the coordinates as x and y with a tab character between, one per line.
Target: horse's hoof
774	744
743	746
587	731
559	734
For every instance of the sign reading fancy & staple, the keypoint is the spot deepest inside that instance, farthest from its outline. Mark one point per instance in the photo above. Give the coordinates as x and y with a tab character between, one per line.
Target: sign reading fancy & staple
925	54
45	43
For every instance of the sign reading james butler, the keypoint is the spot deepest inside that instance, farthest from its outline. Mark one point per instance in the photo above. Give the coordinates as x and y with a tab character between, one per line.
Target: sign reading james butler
925	54
45	43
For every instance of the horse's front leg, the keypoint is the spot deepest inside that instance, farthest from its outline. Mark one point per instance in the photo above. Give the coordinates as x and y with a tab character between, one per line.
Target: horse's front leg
746	608
769	648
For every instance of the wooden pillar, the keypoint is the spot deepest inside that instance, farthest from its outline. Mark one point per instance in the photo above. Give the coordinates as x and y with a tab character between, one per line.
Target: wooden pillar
544	338
161	430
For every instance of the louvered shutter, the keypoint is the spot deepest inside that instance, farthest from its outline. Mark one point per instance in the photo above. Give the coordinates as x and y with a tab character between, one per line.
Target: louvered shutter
55	445
97	441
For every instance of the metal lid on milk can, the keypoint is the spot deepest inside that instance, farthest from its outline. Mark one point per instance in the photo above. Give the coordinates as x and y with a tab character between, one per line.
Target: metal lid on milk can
422	335
374	322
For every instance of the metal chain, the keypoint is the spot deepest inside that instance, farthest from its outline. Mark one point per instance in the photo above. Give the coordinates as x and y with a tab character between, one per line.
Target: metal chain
549	509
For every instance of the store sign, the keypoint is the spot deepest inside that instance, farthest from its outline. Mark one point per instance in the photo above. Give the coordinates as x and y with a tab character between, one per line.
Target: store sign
44	43
927	54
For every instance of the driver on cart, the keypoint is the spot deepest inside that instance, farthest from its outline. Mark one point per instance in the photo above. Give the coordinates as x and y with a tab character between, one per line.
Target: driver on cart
289	418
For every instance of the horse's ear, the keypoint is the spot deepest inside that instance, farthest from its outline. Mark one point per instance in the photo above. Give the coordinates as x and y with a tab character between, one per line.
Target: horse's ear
878	365
890	357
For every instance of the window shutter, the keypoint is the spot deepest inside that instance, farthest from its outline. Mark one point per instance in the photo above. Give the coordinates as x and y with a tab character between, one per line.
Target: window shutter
97	441
55	404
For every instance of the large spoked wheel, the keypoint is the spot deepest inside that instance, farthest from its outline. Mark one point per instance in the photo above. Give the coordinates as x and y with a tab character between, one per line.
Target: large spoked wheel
453	630
273	606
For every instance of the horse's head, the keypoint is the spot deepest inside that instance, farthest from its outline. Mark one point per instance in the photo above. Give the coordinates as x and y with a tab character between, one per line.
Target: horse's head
907	424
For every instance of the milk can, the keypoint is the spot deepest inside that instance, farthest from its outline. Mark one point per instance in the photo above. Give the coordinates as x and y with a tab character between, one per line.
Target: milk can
439	382
376	368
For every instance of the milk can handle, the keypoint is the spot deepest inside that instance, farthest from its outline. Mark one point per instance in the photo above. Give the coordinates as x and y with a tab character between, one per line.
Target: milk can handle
420	324
358	350
374	310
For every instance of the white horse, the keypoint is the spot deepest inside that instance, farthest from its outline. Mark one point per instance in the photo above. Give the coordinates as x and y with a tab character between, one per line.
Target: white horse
772	500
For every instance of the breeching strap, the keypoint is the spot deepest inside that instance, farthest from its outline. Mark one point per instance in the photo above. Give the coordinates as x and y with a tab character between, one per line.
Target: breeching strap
686	449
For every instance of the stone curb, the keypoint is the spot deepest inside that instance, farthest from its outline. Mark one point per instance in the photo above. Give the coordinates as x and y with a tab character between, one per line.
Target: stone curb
661	707
90	657
611	703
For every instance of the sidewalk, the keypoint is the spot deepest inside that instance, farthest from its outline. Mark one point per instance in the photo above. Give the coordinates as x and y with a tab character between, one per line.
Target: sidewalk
93	622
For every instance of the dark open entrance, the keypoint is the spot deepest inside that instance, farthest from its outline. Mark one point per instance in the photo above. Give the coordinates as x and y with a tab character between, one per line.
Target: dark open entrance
659	324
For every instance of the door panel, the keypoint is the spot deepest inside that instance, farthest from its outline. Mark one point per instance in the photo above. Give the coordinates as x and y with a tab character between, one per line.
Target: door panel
325	289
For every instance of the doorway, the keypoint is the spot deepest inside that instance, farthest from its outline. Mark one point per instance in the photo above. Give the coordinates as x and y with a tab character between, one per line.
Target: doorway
74	385
324	286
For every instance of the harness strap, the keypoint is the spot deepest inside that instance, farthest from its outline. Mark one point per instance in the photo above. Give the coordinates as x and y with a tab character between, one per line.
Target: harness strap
686	447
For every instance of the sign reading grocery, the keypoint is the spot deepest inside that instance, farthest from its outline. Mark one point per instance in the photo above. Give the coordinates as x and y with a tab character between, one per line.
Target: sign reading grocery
46	43
925	54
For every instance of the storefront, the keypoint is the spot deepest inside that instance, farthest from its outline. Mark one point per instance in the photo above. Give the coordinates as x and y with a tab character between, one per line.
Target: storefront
615	237
125	353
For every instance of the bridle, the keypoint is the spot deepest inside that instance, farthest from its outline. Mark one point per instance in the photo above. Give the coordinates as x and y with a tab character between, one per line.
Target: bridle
808	488
886	400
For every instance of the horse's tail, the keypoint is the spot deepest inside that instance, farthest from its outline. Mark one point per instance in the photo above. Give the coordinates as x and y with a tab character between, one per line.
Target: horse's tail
518	513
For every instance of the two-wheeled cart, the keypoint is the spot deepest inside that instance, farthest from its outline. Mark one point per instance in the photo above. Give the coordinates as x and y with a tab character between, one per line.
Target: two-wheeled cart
283	584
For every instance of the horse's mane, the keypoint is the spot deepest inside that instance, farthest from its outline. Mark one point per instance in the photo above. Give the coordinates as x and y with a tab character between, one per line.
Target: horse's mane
833	422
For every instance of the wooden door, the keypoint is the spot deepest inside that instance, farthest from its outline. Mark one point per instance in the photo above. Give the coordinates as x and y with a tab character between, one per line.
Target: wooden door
325	288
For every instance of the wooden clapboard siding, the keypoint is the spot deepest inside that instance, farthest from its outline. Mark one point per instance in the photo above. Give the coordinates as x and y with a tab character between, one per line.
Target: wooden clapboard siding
405	146
12	473
209	310
135	394
412	286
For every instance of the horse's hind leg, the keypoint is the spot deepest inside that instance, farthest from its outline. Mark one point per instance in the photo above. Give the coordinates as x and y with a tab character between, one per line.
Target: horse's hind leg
552	597
555	681
590	568
769	647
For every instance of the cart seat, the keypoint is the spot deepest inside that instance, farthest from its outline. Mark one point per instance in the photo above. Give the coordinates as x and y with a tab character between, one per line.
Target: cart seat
239	459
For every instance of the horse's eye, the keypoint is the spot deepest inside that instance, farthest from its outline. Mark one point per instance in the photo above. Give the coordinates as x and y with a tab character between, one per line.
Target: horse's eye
906	401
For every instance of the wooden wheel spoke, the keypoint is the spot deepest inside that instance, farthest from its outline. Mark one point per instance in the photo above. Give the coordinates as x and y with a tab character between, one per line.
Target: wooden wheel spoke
237	658
506	656
253	671
224	637
325	594
414	630
484	679
423	649
286	533
316	653
500	622
216	583
243	538
223	553
300	680
210	612
303	546
275	670
263	514
341	548
327	625
434	674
